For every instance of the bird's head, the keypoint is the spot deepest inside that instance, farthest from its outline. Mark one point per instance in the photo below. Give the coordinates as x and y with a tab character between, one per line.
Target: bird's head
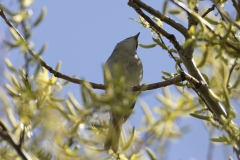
129	44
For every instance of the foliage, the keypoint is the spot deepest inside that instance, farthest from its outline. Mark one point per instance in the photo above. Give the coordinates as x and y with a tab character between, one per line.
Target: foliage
60	128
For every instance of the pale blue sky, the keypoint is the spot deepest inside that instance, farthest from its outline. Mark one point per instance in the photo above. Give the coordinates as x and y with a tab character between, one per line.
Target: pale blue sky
82	34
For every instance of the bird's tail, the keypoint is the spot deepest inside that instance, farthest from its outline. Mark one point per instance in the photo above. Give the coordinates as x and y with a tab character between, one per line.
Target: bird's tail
113	136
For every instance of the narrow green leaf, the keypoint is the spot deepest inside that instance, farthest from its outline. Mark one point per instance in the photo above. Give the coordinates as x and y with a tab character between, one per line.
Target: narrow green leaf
160	43
70	107
74	101
147	45
150	154
11	90
165	7
172	50
135	156
42	49
159	22
168	74
6	10
57	68
129	142
56	99
200	116
214	96
41	16
26	3
201	111
174	11
220	139
148	113
9	65
188	42
205	78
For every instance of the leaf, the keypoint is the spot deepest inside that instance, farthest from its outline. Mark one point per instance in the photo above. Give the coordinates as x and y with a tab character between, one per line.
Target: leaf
201	111
174	11
26	3
128	144
42	49
192	30
74	102
214	96
160	43
14	33
188	42
212	21
21	16
200	116
219	139
58	66
56	99
159	22
148	113
41	16
150	154
147	45
11	90
168	74
205	78
135	156
165	7
9	65
172	50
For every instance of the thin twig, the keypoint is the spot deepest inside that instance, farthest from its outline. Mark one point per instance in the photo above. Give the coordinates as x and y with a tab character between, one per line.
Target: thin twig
224	13
170	53
157	29
209	10
9	137
179	27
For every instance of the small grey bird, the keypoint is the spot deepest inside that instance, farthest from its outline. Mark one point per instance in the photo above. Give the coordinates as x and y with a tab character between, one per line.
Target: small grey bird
125	56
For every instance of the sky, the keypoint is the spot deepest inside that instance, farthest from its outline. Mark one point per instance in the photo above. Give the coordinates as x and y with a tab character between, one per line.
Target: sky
82	34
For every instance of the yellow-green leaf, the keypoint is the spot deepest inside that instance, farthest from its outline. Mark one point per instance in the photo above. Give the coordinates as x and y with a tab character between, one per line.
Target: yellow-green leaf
9	65
159	43
174	11
128	144
200	116
147	45
41	16
150	154
27	3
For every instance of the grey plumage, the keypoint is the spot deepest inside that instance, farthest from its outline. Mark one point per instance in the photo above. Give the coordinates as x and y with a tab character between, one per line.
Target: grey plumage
125	56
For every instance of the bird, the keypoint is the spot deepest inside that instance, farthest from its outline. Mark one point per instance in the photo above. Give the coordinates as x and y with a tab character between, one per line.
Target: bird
125	56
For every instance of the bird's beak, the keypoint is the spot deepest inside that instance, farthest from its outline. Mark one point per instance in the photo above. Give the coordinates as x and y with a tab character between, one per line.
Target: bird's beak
136	36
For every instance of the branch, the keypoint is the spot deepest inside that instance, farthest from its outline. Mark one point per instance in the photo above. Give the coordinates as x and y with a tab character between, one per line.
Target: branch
208	25
179	27
237	6
158	29
224	13
9	137
186	57
209	10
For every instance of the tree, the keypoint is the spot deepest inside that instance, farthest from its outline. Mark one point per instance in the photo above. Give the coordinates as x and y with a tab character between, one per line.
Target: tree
207	90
